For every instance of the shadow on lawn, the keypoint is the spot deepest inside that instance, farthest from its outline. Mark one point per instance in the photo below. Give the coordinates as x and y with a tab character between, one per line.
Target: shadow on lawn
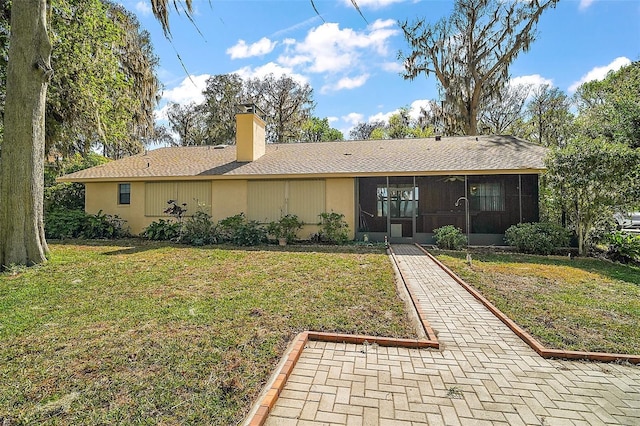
606	268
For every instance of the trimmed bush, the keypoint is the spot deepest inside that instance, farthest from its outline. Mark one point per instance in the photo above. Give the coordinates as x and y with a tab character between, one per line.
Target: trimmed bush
61	224
537	238
449	237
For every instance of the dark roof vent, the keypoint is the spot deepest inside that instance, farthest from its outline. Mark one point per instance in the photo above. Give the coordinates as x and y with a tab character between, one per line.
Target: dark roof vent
438	138
219	146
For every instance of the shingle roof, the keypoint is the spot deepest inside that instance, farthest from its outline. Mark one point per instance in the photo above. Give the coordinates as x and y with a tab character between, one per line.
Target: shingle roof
450	155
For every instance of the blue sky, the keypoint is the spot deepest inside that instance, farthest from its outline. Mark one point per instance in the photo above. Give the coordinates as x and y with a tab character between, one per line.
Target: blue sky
351	63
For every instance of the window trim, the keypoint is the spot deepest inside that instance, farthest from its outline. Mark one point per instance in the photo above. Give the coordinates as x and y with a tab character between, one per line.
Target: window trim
121	193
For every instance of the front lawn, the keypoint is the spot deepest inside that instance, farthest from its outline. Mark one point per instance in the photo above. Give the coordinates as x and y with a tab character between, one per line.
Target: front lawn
149	333
581	304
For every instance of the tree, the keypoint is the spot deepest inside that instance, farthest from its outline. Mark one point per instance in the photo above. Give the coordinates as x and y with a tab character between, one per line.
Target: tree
470	52
362	131
138	63
319	130
286	103
399	126
550	119
103	92
611	107
223	94
22	239
591	177
188	122
499	113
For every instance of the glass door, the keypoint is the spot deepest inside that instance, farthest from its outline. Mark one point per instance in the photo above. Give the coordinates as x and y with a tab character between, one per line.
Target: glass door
402	205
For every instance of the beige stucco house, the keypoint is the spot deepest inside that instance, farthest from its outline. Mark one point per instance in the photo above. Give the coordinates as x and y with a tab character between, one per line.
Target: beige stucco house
401	189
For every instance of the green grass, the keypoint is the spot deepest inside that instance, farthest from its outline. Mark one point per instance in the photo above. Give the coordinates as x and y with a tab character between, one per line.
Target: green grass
581	304
136	332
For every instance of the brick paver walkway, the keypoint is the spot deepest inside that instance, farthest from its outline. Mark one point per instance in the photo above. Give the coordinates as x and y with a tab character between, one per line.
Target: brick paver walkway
483	373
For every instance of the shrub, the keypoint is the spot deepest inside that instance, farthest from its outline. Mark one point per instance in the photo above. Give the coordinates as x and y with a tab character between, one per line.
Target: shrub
162	230
623	247
63	224
333	228
199	230
102	225
537	238
240	231
287	227
64	196
449	238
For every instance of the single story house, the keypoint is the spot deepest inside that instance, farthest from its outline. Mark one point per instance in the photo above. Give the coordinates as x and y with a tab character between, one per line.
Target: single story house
399	189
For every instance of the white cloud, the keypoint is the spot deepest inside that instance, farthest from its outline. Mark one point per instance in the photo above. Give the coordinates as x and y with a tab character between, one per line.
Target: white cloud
599	73
259	48
395	67
382	116
534	80
328	48
372	4
353	118
346	83
332	119
143	8
584	4
417	105
189	90
270	68
414	111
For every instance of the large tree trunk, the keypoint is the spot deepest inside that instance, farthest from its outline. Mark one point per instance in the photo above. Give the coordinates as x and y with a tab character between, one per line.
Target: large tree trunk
22	240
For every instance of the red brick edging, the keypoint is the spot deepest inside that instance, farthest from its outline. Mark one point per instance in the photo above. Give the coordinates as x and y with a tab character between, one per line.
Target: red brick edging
431	335
528	339
269	400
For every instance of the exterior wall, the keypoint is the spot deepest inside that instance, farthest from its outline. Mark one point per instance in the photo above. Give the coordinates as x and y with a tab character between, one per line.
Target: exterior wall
228	198
104	196
341	198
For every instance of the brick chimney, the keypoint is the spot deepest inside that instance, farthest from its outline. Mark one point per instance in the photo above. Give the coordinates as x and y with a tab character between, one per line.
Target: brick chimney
250	133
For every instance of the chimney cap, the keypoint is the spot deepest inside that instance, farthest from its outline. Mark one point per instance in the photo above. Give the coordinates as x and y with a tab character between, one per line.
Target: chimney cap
251	108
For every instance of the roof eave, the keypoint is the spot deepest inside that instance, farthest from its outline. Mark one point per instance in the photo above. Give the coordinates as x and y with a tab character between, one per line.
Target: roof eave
524	170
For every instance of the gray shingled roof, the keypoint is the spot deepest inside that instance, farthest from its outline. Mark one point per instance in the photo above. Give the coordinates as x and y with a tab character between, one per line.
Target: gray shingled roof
450	155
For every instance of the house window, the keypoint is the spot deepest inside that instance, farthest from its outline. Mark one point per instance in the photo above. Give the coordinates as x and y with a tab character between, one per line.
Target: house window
400	200
124	193
487	197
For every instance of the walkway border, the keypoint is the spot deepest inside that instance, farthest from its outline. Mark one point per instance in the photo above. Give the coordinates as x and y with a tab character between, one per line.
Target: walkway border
278	382
526	337
269	400
431	335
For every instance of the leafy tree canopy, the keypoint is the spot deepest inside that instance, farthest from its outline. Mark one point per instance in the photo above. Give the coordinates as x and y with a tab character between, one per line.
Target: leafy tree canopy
470	51
319	130
104	88
611	107
592	177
